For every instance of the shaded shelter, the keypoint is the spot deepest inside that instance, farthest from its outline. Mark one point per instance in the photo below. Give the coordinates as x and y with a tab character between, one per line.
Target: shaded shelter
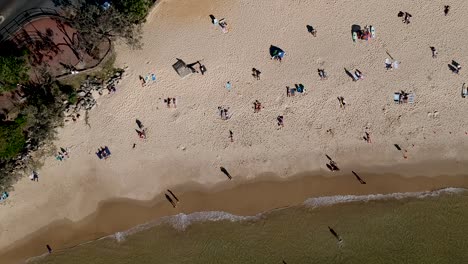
181	68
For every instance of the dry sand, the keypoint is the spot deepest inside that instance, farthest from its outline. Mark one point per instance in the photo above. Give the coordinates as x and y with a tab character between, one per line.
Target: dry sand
190	143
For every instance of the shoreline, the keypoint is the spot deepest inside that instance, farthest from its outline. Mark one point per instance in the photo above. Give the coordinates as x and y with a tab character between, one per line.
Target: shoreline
77	199
242	199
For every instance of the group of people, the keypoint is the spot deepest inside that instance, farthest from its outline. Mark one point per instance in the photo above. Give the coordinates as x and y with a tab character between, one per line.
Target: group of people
280	120
455	67
145	80
356	75
111	89
312	30
406	16
323	75
391	64
366	137
34	176
141	131
103	152
201	67
223	112
365	34
342	101
170	100
297	88
62	155
4	196
172	198
256	73
332	165
402	97
222	23
257	106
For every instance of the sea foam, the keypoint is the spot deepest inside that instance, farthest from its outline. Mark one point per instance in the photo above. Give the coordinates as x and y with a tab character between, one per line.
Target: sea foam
339	199
182	221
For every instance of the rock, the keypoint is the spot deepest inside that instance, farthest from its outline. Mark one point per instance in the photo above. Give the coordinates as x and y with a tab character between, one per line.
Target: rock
81	93
96	94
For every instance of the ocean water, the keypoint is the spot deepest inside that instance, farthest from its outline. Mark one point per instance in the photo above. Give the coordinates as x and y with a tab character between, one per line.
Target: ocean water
429	227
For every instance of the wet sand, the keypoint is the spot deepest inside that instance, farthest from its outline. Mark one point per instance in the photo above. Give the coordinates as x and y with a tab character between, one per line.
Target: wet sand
265	193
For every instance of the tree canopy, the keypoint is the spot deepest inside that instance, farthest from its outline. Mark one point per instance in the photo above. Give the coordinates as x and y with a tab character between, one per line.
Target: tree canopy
136	10
96	23
13	70
12	138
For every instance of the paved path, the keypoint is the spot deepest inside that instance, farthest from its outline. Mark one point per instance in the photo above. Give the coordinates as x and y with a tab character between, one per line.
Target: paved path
9	9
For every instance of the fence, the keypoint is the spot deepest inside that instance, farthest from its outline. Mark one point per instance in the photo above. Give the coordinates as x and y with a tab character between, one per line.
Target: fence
9	30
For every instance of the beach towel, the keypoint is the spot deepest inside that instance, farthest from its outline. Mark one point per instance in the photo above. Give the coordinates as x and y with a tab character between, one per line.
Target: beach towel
411	98
106	149
464	91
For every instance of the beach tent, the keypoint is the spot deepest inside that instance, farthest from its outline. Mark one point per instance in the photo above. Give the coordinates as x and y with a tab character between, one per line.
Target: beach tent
276	52
181	68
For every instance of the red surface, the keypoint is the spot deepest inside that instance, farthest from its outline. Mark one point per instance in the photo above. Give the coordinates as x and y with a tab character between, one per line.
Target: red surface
50	42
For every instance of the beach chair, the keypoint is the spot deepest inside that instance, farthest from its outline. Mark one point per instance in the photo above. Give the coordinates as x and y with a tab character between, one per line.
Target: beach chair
464	91
397	97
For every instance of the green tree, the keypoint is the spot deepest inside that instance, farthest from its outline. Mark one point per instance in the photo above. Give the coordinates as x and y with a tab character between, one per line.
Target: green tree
96	24
12	138
136	10
13	70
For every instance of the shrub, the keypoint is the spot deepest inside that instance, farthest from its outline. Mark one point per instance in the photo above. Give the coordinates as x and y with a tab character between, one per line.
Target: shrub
13	71
12	139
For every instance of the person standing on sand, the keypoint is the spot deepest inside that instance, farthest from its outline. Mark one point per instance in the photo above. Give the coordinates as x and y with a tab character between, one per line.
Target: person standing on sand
226	172
170	200
231	135
280	121
446	9
49	249
142	80
173	195
335	234
434	52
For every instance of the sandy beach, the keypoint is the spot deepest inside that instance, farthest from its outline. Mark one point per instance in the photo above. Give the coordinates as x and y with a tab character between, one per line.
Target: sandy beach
186	146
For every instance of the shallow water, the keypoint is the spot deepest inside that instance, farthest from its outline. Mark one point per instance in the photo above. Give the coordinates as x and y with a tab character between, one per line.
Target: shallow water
384	230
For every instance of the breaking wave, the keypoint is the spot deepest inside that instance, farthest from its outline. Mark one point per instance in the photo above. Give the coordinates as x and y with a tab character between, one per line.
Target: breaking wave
340	199
182	221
